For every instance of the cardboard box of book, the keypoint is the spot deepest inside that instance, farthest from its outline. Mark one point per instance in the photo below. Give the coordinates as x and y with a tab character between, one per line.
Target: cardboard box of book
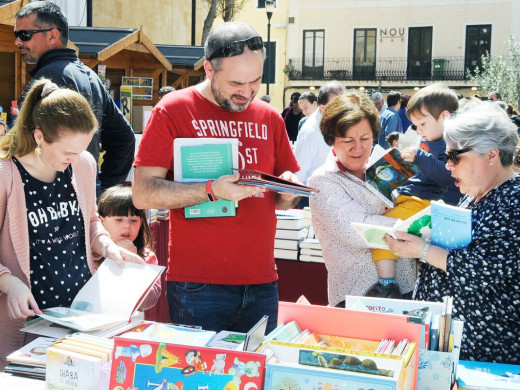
351	365
440	335
361	368
75	362
141	362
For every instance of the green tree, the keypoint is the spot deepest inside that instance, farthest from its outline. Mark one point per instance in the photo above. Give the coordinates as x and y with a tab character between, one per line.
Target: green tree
501	73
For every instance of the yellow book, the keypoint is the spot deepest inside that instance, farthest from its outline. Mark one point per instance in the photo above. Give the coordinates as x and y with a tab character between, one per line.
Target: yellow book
350	343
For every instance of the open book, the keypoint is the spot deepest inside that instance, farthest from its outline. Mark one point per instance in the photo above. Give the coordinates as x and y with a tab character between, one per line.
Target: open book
109	298
386	171
447	226
273	183
419	225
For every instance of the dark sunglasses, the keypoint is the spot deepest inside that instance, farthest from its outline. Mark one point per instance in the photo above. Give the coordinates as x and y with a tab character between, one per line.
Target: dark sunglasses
237	47
26	35
452	154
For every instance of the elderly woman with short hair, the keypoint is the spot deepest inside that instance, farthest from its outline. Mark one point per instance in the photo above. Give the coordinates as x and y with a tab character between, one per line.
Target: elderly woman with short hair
484	277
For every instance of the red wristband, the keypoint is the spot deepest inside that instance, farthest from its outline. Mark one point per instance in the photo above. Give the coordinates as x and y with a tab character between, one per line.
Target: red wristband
209	193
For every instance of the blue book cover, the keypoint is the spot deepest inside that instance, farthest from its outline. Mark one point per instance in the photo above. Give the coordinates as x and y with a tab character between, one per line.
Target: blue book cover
489	376
451	225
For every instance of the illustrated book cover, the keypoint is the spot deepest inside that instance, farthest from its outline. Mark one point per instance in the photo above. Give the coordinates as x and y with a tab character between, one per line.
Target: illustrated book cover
447	226
156	365
198	160
419	225
386	171
109	298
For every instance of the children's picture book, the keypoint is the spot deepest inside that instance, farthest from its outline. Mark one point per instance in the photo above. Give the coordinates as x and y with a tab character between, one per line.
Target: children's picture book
386	171
447	226
273	183
33	353
140	364
109	298
228	340
451	225
170	333
256	334
201	159
419	225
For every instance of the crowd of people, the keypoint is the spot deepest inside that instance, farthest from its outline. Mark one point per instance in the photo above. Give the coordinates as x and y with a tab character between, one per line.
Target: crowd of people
221	271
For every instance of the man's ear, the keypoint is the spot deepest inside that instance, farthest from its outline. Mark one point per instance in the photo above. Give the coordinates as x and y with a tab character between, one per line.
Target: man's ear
210	70
53	36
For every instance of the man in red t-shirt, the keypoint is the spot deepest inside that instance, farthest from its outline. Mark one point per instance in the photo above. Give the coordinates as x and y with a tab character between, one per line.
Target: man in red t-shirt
221	271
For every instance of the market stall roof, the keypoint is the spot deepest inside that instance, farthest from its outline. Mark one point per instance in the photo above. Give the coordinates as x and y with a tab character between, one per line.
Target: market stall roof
183	56
117	47
8	9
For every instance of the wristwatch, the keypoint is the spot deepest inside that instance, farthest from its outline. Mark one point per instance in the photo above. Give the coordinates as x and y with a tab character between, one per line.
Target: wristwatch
209	192
425	251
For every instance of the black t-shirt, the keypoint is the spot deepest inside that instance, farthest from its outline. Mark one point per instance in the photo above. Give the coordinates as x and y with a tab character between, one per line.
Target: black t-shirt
57	239
291	123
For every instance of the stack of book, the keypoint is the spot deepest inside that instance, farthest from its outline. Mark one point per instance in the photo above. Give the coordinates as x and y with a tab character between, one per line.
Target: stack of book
151	216
77	361
290	231
310	250
163	215
30	360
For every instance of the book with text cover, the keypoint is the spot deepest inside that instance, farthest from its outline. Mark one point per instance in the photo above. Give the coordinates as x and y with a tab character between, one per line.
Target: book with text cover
452	225
273	183
386	171
109	298
198	160
419	225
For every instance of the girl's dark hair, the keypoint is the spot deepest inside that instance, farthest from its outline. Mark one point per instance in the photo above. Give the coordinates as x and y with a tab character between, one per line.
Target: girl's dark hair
117	201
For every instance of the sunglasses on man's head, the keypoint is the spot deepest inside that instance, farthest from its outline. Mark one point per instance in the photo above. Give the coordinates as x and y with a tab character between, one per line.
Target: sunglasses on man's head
452	154
237	47
26	35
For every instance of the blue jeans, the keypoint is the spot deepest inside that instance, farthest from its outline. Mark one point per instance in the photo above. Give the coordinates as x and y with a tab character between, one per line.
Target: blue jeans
223	307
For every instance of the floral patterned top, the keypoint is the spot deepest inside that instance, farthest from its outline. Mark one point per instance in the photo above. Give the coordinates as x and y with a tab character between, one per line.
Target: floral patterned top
343	199
484	278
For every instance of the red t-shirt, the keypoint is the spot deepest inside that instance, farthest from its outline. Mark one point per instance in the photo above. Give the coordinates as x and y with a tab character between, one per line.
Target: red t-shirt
221	250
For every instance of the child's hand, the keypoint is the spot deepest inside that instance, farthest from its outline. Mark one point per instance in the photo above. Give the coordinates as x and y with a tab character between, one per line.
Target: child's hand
408	154
128	245
122	255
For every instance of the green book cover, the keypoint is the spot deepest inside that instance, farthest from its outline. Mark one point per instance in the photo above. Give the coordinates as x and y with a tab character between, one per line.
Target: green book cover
204	162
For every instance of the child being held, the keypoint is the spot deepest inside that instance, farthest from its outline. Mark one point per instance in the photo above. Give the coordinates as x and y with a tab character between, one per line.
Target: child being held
427	110
129	229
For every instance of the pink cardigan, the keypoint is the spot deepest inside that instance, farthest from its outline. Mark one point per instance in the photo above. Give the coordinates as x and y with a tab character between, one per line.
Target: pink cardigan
14	235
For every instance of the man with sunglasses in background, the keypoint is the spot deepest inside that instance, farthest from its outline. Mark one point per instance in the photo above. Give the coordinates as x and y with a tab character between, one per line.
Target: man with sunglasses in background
221	270
41	33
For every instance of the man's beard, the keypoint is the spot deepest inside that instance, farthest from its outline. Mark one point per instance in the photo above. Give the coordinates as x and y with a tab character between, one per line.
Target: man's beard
28	59
228	104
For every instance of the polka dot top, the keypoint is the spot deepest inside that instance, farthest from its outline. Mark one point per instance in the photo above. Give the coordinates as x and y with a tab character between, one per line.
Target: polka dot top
57	239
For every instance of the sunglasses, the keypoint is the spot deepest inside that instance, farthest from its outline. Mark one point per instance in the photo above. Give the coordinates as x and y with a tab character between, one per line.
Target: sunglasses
237	47
26	35
452	154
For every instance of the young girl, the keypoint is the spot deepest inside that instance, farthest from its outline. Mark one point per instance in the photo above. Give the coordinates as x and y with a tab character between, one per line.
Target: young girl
129	229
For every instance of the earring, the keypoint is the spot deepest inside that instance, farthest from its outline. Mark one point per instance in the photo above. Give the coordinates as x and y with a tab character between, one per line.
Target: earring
37	150
491	163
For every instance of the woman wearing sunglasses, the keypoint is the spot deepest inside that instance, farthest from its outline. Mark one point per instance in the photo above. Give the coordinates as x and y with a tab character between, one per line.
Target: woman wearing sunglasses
484	277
